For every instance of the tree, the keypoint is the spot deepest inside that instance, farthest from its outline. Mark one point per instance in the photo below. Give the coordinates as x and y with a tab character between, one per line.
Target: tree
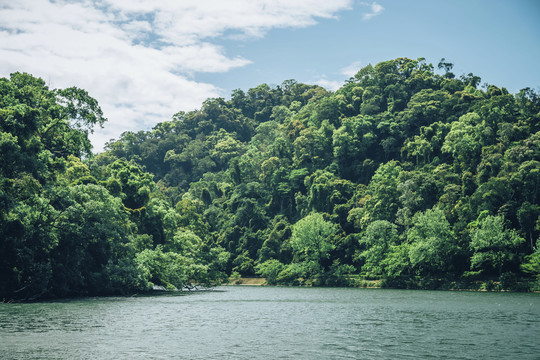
419	148
167	269
312	243
43	133
242	171
270	269
528	215
493	245
447	66
463	141
531	265
136	185
432	243
94	237
381	198
377	239
226	147
351	142
277	243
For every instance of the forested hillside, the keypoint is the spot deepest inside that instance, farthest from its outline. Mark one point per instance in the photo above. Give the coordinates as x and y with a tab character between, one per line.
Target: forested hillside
411	176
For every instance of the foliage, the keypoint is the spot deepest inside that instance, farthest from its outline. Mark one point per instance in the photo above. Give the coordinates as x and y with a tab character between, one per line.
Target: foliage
312	242
432	243
402	174
376	242
270	270
493	245
531	265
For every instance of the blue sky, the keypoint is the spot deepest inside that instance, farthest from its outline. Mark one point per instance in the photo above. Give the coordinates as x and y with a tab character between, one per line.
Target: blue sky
144	60
497	40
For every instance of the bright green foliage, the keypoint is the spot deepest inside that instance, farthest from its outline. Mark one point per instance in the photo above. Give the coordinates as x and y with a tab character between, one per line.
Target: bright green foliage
493	245
166	269
381	198
464	140
312	240
531	265
432	243
419	149
270	270
183	262
377	240
135	184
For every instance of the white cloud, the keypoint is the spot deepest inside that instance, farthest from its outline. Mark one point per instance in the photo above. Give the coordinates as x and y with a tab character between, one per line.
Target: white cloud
334	85
331	85
375	9
138	57
351	69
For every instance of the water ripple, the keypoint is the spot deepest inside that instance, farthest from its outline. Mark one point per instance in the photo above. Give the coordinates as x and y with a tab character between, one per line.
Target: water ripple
277	323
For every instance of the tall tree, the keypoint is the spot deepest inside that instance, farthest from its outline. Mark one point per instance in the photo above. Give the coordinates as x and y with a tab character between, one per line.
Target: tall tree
312	242
493	245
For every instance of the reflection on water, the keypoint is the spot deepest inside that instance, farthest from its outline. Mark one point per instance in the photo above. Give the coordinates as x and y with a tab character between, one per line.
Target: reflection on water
277	323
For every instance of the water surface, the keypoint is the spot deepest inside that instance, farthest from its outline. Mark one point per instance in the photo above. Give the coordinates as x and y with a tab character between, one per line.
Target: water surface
278	323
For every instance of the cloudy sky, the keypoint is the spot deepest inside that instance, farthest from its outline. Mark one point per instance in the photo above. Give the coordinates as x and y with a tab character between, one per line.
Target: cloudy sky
144	60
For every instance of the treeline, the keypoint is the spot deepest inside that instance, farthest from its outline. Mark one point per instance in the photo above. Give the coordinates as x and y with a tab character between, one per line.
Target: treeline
403	175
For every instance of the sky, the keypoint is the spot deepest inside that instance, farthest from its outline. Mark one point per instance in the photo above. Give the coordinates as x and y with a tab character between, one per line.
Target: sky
145	60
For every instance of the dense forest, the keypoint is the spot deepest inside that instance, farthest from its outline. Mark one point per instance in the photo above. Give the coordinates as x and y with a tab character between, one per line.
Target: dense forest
407	175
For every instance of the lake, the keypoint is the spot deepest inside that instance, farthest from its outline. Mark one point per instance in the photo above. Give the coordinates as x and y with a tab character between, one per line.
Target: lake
241	322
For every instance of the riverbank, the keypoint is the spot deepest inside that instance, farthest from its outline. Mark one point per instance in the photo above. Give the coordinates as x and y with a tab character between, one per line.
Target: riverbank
247	281
413	284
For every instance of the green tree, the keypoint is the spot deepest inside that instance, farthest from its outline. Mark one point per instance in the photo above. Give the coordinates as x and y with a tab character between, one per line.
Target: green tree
433	244
376	241
531	265
270	269
464	140
528	215
312	243
94	237
380	201
136	185
493	245
167	269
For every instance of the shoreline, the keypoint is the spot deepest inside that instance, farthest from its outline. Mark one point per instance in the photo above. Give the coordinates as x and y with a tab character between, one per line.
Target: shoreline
472	286
247	281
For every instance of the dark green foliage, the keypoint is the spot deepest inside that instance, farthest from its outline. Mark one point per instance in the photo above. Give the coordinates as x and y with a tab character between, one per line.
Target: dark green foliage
72	228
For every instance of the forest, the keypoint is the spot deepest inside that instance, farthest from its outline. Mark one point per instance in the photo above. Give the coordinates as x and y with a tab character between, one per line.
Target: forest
408	176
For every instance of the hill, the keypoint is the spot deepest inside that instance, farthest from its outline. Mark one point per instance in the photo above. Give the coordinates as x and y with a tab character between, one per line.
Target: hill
403	175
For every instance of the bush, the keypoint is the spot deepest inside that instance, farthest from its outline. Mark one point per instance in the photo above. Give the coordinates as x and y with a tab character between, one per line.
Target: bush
508	281
488	285
235	278
292	274
270	270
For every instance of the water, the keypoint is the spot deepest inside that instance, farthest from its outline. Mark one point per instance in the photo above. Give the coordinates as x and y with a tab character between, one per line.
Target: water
277	323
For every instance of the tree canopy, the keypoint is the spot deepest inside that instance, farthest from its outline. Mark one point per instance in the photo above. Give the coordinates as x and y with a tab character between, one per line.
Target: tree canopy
402	173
